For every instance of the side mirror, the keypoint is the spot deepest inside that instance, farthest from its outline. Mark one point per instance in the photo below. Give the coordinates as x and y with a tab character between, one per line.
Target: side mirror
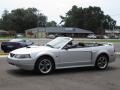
67	47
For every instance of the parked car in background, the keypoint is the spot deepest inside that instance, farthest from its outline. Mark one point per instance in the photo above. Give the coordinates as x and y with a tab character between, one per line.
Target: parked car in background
102	37
19	35
51	36
91	36
62	52
14	44
106	37
114	37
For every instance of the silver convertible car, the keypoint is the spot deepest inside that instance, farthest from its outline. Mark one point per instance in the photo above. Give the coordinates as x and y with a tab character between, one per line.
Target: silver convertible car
62	53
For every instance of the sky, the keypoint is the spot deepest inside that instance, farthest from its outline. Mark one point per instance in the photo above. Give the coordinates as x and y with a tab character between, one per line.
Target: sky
54	8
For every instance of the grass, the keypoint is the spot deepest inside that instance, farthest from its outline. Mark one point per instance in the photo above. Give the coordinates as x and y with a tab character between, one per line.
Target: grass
7	36
2	53
100	40
4	40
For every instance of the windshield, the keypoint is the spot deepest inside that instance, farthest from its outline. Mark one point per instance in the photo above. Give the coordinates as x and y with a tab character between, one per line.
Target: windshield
58	42
17	40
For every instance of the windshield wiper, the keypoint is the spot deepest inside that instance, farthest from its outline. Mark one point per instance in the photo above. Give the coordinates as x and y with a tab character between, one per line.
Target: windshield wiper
49	45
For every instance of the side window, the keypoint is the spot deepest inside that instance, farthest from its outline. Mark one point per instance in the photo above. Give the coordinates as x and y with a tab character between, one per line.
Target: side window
28	42
69	45
23	41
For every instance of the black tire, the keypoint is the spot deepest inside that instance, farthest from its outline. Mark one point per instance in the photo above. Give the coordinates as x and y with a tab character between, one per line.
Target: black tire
6	51
102	62
44	65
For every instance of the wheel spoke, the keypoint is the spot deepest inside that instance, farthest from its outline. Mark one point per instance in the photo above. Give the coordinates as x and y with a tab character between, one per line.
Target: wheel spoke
42	68
45	66
41	64
99	64
102	62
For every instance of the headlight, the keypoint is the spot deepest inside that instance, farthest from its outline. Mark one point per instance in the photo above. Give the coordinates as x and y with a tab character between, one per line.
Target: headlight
22	56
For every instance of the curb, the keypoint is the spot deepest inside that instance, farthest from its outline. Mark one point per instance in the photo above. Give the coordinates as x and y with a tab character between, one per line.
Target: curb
3	56
2	53
117	53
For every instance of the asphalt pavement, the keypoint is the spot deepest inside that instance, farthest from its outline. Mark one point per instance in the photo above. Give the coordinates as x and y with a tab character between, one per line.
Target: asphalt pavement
13	78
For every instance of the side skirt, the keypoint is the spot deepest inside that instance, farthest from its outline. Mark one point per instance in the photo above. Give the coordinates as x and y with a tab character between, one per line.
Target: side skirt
74	66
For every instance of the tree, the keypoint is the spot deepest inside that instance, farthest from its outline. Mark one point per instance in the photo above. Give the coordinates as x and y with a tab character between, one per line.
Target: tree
91	18
51	24
21	19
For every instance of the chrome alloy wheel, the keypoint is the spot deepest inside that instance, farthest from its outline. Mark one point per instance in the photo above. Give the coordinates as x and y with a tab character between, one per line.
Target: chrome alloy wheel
102	62
45	66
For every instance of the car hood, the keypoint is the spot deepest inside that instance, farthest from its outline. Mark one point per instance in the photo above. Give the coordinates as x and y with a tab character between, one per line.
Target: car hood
31	49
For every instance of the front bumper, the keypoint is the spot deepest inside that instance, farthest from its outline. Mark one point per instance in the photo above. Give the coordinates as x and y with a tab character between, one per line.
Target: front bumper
26	64
112	58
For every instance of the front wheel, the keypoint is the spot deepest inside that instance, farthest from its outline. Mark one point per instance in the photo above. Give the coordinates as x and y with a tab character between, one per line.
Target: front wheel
101	62
44	65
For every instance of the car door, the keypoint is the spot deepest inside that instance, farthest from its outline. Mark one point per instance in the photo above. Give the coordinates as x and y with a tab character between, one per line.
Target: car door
76	56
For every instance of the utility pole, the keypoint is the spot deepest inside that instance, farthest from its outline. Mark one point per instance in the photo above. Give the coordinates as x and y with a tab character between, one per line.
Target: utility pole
38	25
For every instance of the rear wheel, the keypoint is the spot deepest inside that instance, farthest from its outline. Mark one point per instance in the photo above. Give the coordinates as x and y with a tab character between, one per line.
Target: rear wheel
44	65
102	62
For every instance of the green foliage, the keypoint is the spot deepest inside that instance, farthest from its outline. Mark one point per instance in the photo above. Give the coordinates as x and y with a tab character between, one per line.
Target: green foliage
91	18
21	19
51	24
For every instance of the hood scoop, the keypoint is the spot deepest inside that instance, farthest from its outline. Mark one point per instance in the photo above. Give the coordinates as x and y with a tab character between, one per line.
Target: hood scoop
28	47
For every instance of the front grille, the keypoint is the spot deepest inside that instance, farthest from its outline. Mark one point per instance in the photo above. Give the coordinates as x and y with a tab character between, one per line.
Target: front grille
12	55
